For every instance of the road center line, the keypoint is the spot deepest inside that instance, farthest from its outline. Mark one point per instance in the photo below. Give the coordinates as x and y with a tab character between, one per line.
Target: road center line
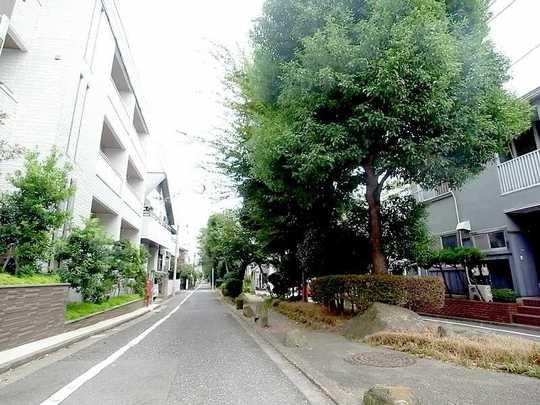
60	395
484	327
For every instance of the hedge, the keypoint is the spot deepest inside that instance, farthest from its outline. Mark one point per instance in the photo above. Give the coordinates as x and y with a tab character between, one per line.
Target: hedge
357	292
232	288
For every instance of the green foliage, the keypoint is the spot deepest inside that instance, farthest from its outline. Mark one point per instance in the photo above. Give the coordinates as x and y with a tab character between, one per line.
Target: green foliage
246	286
94	264
128	261
504	295
226	245
281	284
460	255
340	96
360	291
188	272
8	279
86	261
32	211
232	288
77	310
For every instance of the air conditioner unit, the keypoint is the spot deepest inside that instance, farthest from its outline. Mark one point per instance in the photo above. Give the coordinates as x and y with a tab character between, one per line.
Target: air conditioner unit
4	27
480	293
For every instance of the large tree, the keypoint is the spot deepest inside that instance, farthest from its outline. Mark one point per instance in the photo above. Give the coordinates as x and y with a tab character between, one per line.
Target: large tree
343	95
226	244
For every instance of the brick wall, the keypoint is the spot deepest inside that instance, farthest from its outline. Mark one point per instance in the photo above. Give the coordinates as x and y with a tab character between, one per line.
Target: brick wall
486	311
111	313
28	313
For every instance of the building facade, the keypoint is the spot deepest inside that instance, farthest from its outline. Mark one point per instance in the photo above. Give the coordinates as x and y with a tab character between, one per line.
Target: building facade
499	211
67	81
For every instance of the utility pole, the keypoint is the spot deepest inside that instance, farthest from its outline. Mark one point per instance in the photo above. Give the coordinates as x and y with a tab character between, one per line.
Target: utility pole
213	286
176	250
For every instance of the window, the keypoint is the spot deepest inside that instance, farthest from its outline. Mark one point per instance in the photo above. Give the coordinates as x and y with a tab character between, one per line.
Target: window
497	240
466	239
525	143
449	241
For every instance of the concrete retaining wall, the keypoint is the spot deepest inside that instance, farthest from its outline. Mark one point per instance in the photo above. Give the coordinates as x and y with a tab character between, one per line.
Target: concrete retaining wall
31	312
485	311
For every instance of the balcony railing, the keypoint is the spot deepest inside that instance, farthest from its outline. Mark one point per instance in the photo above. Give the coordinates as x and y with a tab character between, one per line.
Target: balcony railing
422	195
520	173
149	213
106	172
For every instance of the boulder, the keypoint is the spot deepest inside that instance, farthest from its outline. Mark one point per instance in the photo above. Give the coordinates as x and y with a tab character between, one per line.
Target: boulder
262	316
248	311
295	338
254	303
442	332
239	301
383	317
390	395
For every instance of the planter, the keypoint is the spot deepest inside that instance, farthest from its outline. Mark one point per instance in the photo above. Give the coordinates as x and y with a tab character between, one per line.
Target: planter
31	312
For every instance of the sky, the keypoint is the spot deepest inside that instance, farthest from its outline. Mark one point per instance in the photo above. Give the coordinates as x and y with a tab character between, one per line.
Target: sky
172	42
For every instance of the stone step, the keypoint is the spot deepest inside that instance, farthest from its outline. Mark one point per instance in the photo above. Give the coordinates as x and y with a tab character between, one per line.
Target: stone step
531	302
521	309
533	320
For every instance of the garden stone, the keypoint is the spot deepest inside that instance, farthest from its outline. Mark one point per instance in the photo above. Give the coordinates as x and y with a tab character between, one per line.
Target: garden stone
442	332
383	317
390	395
295	338
248	311
239	302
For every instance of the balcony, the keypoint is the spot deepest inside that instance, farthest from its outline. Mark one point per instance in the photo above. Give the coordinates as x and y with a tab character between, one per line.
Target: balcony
520	173
105	172
158	232
131	199
22	15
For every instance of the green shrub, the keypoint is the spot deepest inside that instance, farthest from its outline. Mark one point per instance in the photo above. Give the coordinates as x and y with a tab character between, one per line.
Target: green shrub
232	288
129	261
85	262
357	292
31	213
504	295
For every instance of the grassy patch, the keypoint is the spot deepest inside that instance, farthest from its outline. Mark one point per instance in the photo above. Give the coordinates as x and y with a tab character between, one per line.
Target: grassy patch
502	353
8	279
311	314
77	310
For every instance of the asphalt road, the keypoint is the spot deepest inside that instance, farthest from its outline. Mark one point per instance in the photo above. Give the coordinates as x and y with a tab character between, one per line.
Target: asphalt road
198	355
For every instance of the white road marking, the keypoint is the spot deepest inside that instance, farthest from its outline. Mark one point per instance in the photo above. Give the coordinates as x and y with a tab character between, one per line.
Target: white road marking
484	327
61	395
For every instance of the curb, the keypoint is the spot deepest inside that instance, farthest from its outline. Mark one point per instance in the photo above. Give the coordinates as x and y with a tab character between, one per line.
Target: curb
40	352
315	378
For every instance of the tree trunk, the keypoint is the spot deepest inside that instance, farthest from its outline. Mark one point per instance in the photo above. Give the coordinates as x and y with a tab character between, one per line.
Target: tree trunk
373	197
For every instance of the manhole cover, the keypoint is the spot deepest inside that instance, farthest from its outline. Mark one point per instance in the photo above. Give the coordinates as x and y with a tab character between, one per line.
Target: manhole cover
383	359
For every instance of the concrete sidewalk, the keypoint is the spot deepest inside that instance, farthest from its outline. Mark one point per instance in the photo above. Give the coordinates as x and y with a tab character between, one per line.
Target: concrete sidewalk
19	355
346	369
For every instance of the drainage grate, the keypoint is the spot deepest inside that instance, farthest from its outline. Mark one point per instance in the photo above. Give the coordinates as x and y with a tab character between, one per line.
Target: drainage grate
383	359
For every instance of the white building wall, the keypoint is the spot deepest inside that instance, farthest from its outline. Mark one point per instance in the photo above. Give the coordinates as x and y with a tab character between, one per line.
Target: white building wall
61	92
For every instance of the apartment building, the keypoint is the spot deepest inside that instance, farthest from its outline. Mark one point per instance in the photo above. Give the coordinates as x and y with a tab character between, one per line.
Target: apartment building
499	211
67	80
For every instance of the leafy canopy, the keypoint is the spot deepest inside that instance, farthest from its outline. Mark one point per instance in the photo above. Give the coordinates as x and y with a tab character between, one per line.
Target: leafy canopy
340	96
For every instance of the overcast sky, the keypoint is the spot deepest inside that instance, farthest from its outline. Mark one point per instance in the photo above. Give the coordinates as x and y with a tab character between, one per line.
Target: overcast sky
172	43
